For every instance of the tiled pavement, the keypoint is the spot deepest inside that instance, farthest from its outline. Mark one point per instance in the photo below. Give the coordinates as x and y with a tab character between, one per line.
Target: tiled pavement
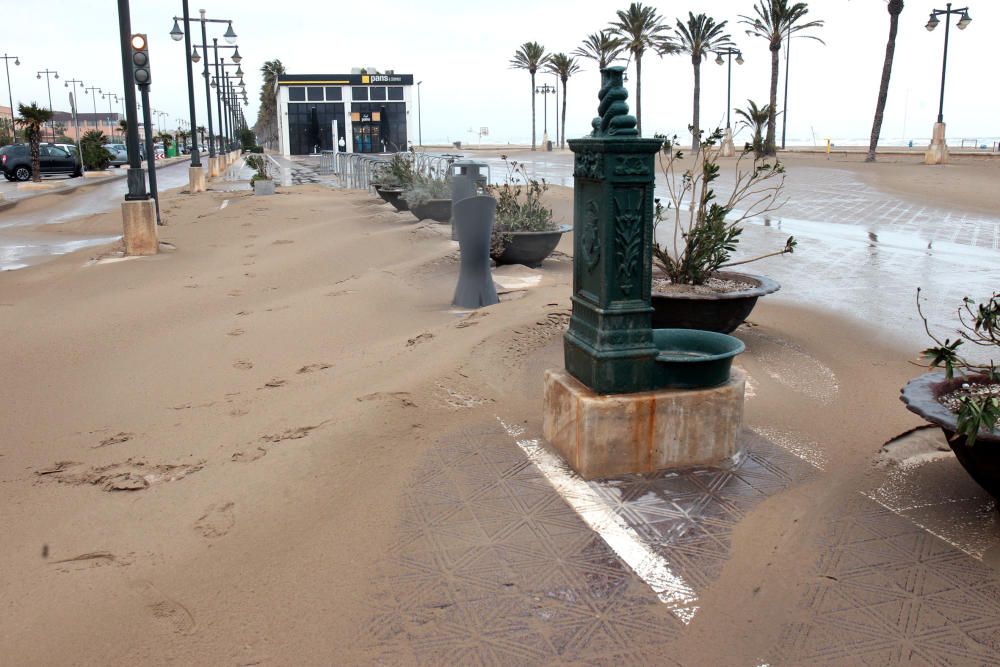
494	567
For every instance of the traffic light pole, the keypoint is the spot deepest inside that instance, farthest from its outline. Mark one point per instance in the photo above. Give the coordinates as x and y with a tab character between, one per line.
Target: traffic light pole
147	119
138	213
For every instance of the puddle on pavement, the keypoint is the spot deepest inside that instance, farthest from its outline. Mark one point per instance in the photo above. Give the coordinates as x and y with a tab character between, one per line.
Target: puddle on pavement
925	484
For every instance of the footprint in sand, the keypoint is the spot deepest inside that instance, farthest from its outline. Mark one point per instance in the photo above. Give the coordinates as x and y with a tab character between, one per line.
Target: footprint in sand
216	521
243	364
234	292
173	615
249	275
244	313
312	368
236	332
419	339
116	439
283	241
91	560
248	456
274	383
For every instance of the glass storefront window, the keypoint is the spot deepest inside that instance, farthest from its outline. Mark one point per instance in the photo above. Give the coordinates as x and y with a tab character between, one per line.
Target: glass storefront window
296	94
395	93
359	93
334	94
314	94
378	92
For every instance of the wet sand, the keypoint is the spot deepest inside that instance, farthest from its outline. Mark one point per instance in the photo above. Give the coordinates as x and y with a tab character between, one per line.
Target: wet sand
205	455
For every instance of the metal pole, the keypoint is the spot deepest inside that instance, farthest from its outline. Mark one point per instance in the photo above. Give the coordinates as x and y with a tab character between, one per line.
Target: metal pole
150	155
944	64
218	98
208	89
195	156
557	108
136	177
52	125
420	125
784	111
13	132
729	91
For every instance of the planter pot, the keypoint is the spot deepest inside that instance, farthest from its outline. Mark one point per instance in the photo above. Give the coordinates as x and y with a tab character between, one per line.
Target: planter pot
721	312
391	196
530	248
982	460
263	187
438	210
693	359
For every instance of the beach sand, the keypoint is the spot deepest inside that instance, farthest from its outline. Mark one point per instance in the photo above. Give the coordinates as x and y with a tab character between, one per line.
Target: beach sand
204	455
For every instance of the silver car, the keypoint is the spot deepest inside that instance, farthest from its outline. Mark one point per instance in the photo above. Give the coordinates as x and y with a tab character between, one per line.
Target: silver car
119	154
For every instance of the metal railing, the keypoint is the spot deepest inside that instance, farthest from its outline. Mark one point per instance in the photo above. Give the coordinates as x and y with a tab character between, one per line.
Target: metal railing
357	170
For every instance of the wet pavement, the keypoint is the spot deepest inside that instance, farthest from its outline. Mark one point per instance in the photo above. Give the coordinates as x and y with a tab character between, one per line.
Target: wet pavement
20	247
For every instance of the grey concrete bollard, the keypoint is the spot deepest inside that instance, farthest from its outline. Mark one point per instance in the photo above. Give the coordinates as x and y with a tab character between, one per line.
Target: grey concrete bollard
473	219
466	179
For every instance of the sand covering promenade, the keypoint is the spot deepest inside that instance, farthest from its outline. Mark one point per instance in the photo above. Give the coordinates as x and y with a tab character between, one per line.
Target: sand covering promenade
206	457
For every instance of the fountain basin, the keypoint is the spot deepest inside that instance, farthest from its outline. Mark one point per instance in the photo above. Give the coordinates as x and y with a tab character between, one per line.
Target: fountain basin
692	359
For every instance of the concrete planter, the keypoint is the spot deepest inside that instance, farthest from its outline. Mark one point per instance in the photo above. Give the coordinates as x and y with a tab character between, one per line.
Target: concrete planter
721	312
438	210
530	248
263	187
392	196
982	460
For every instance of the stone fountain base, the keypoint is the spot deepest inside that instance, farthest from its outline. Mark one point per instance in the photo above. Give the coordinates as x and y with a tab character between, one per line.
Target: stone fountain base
606	435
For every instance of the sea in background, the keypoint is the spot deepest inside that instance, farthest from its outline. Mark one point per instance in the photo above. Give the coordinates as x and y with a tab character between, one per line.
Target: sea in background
989	144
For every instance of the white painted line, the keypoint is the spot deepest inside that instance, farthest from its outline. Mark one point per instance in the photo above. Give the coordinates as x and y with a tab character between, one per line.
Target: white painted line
647	564
225	203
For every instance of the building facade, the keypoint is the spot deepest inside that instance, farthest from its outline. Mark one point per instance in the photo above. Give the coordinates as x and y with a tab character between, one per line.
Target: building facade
352	113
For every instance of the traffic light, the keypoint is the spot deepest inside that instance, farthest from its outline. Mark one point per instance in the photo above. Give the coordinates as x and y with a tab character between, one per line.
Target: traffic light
140	59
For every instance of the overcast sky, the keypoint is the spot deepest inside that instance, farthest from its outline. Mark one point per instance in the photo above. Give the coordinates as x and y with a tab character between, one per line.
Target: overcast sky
460	49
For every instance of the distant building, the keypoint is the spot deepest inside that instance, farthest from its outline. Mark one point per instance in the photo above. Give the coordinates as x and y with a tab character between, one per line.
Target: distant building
105	122
352	113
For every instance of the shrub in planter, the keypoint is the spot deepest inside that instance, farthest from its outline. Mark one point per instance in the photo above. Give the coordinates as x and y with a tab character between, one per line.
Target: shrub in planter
702	233
524	232
260	181
397	174
429	197
964	399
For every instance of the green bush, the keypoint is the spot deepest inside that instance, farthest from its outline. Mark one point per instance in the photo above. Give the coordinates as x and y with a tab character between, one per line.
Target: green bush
95	156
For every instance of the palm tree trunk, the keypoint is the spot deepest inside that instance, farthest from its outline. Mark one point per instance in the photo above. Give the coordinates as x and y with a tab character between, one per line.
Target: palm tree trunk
883	91
638	93
562	142
769	148
36	163
533	111
695	138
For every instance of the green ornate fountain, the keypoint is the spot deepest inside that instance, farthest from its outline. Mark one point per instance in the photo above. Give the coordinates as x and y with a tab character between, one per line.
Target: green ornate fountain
631	398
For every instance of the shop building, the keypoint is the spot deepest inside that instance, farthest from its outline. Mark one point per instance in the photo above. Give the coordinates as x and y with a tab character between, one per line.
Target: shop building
352	113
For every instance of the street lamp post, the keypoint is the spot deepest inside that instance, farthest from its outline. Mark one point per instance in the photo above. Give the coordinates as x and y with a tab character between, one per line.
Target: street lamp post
76	115
109	97
230	37
937	153
10	93
545	90
728	149
196	175
47	72
420	125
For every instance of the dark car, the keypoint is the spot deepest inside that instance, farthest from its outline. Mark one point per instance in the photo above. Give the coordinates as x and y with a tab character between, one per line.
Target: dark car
15	162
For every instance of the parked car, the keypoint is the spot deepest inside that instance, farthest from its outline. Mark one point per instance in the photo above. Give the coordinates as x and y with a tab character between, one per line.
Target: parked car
15	162
119	154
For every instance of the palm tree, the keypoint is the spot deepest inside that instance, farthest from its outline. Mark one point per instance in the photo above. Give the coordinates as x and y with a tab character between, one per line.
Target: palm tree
32	118
895	9
123	128
530	56
700	35
201	134
754	118
601	47
640	28
774	20
564	67
267	115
